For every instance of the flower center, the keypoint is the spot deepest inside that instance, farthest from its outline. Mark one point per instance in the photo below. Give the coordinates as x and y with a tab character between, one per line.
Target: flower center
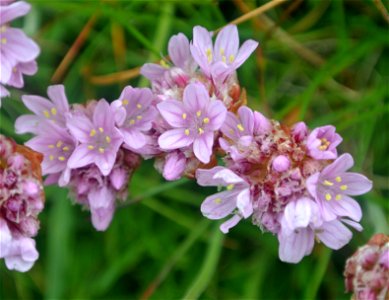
60	151
324	144
101	140
334	188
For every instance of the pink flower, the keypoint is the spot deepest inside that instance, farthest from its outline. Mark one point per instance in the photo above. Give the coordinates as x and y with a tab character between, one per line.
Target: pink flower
99	139
322	143
194	121
225	56
53	110
235	197
134	115
332	187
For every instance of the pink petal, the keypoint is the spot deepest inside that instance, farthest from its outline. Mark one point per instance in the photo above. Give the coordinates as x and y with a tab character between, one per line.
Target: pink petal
244	204
19	46
295	246
206	177
81	157
229	127
196	97
57	94
175	164
334	234
346	207
102	116
101	202
80	127
173	111
217	113
298	213
247	119
27	123
202	147
179	51
152	71
245	51
133	138
357	184
227	41
12	11
227	225
37	104
174	139
339	166
219	205
311	184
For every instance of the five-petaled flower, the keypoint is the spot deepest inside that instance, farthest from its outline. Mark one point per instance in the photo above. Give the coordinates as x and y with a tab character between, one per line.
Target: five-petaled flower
194	121
322	142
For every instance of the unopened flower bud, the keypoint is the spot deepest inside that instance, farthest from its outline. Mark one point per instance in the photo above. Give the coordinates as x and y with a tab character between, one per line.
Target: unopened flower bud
281	163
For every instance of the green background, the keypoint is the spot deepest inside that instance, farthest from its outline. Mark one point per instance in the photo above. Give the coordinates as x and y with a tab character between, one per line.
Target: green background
324	62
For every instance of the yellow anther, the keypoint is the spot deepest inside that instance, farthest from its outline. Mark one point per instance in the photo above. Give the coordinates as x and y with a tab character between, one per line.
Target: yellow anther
53	111
232	58
59	144
101	150
139	117
187	131
208	53
139	106
206	120
51	157
198	113
230	187
224	59
4	41
328	183
61	158
218	200
201	131
240	127
343	187
46	113
14	69
101	129
132	122
184	116
221	51
328	197
338	197
66	148
51	146
3	29
324	144
338	179
90	147
164	64
107	139
92	132
124	102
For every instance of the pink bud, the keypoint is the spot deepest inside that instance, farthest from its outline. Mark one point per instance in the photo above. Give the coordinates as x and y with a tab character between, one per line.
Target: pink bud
118	178
299	131
30	188
281	163
174	166
261	123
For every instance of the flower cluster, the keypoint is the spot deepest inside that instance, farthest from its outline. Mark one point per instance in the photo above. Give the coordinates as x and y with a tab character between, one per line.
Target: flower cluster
21	200
84	148
367	271
290	181
17	51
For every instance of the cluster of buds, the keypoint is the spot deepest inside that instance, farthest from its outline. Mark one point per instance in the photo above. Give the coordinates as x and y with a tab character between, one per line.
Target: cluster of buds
289	180
18	52
21	200
367	270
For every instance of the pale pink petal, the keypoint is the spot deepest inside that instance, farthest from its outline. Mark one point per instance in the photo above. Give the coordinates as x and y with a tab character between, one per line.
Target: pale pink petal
102	116
247	120
311	184
174	139
27	123
57	94
227	43
174	113
22	255
101	202
217	113
12	11
37	104
202	147
219	205
357	184
227	225
346	207
244	204
206	177
295	246
353	224
179	51
80	127
81	157
152	71
134	139
175	164
334	234
245	51
339	166
230	128
298	213
19	46
196	97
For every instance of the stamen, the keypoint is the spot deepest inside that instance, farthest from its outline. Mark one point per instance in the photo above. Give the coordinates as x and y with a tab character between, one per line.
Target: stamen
3	28
51	146
338	197
221	51
230	187
59	144
201	131
232	58
164	64
184	116
66	148
92	132
46	113
187	131
224	59
101	150
338	179
139	106
328	183
90	147
107	139
124	102
240	127
61	158
101	129
51	157
53	111
139	117
343	187
218	200
206	120
328	197
208	53
4	41
132	122
198	113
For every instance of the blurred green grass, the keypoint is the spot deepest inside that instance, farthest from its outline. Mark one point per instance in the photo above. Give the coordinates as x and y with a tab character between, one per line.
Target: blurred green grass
322	61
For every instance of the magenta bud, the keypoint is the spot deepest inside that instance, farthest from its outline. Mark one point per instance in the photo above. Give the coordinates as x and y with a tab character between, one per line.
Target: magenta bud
299	131
118	178
281	163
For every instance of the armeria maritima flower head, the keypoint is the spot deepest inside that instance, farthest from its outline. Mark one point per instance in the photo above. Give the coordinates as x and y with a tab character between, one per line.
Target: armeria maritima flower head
21	200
